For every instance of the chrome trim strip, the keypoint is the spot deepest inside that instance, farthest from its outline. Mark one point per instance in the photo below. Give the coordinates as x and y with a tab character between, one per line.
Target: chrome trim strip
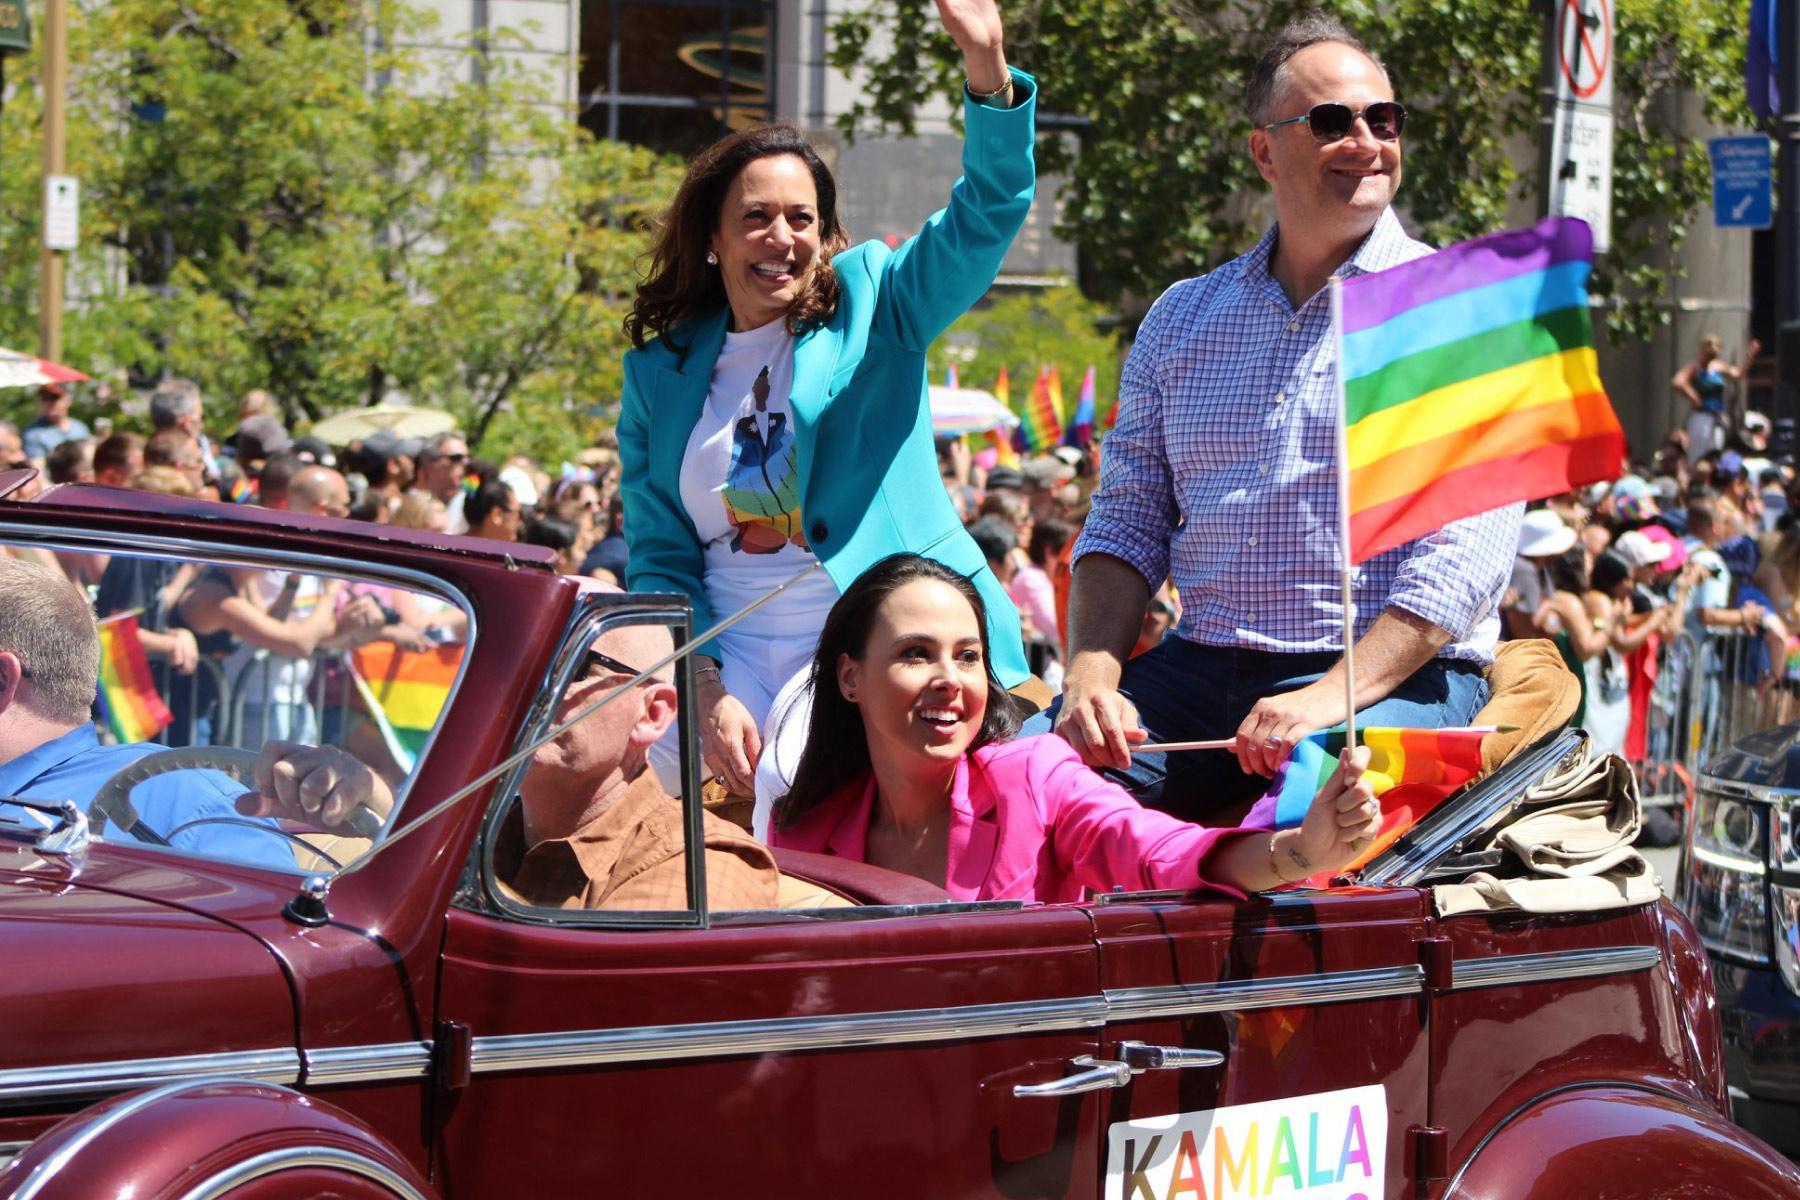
10	1151
292	1158
356	1064
1541	968
264	1066
585	1047
1235	995
33	1184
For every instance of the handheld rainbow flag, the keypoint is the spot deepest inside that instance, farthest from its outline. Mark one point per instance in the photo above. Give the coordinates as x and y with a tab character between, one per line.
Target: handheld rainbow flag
1041	427
129	701
404	692
1004	441
1411	772
1469	381
1081	425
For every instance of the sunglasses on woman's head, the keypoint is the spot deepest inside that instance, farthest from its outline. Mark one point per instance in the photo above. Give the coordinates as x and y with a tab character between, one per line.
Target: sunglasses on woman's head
1332	122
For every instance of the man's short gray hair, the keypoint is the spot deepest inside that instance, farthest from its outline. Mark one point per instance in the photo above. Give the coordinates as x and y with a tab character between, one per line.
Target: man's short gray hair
1268	79
46	622
172	400
435	446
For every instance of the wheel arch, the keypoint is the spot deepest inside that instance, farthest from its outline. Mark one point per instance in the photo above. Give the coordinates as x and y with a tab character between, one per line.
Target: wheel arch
206	1139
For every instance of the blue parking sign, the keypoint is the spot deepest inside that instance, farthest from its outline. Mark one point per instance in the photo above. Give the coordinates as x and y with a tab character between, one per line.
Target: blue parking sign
1743	191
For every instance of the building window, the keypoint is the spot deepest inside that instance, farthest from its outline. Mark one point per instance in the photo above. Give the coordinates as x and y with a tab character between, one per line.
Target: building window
675	75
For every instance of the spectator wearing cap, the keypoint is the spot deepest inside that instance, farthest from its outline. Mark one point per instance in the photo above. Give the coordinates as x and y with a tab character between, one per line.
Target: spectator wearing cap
1543	537
1713	522
53	426
1044	478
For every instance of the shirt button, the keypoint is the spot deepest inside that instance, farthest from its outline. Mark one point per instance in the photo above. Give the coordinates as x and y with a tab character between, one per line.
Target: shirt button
1249	618
1262	468
1294	325
1280	397
1252	539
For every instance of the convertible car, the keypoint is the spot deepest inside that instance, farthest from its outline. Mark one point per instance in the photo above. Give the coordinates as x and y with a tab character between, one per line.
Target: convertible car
241	1007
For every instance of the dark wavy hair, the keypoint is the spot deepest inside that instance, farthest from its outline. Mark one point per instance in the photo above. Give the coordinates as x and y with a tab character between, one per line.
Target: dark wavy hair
837	748
681	285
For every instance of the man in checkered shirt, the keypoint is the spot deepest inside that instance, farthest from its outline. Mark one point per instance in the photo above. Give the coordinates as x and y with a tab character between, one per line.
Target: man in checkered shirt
1222	474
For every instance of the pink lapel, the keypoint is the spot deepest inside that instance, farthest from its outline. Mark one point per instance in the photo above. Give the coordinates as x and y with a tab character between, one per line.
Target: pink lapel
973	834
850	838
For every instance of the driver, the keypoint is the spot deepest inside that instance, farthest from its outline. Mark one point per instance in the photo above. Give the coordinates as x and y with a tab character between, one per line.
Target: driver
49	752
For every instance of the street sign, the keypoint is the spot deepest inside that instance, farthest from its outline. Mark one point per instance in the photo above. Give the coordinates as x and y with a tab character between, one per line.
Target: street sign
1584	51
1581	156
62	212
1743	182
15	27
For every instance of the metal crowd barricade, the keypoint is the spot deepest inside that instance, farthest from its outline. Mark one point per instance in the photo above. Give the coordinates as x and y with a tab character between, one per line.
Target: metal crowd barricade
186	697
308	713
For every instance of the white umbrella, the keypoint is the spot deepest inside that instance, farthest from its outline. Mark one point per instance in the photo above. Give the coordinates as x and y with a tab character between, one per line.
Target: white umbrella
397	420
27	370
959	410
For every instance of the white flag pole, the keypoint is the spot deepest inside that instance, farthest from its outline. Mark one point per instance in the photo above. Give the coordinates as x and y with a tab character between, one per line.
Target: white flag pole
1343	482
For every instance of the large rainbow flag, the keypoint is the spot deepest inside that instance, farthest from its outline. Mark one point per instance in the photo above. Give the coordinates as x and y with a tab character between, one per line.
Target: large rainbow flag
1470	382
1411	772
404	692
129	701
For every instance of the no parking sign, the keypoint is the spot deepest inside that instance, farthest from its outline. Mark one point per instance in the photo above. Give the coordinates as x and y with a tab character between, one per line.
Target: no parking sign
1580	182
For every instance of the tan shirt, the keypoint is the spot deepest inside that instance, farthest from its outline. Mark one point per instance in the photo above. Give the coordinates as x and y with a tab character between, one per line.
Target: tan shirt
632	856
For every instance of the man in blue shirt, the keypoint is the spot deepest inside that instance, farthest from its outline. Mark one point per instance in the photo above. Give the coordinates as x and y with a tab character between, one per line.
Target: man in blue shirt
54	425
49	662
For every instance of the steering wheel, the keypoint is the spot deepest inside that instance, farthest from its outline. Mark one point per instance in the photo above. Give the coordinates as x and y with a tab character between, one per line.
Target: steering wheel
113	800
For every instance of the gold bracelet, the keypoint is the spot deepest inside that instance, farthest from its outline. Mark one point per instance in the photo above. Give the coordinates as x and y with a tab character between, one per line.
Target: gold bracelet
984	97
1300	860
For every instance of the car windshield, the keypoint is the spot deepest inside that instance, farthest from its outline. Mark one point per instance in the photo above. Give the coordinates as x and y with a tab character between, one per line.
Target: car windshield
222	708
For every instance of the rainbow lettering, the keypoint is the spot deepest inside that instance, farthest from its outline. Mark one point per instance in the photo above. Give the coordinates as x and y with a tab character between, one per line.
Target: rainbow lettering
1325	1146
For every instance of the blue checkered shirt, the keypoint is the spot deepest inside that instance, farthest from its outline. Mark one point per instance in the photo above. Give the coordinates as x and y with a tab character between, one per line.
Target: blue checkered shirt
1222	471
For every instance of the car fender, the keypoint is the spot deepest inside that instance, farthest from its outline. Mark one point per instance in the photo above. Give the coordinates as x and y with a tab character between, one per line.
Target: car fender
1623	1142
211	1139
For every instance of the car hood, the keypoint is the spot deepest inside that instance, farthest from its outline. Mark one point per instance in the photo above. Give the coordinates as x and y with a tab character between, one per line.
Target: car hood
117	958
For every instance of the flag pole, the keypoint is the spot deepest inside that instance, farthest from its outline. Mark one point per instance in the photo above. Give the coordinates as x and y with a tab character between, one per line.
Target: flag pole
1343	482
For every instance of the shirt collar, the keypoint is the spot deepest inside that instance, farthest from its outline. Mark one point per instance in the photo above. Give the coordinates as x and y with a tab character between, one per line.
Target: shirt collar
1385	246
590	854
17	775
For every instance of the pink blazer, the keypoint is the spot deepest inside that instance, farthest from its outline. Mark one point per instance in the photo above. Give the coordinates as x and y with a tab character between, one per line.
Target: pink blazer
1030	821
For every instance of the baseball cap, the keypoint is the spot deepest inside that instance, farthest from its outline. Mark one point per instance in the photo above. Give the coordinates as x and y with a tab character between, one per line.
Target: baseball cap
1731	464
1543	533
1047	472
1639	550
1636	507
1005	477
261	437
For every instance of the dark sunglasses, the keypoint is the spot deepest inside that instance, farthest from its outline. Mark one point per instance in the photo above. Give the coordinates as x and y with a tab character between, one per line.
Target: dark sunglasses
1332	122
453	458
608	662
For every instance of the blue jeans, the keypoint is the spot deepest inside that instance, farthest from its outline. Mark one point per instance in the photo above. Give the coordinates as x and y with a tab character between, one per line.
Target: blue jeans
1188	692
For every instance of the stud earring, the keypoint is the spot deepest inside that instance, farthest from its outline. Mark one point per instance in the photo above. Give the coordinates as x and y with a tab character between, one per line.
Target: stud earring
712	260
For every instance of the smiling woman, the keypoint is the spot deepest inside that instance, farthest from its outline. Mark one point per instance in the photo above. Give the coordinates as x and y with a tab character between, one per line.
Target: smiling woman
772	412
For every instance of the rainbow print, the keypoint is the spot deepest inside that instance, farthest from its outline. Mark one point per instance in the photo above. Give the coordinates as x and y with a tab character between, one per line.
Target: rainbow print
1081	425
1005	453
1041	428
1469	382
404	692
133	708
1410	770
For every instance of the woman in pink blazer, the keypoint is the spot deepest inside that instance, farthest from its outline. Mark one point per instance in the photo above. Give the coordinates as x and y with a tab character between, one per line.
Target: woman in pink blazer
908	766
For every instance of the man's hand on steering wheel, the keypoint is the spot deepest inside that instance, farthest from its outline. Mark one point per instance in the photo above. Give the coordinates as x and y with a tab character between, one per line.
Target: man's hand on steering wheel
317	785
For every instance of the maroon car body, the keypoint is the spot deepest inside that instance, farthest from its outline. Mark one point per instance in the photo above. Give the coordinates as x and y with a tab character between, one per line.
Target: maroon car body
176	1032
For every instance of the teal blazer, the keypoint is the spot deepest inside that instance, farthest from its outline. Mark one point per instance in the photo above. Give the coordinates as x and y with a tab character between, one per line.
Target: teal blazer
870	485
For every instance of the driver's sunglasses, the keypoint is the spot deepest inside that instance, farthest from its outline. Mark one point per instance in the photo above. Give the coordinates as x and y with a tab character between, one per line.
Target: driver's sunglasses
1332	122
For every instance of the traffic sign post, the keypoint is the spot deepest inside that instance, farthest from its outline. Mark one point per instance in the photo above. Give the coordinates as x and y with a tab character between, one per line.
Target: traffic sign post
1579	69
1743	182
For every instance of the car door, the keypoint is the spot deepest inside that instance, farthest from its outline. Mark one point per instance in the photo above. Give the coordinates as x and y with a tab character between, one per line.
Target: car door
854	1051
1275	1046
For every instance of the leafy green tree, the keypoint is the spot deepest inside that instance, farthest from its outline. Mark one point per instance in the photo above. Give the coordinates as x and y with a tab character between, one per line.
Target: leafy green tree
1161	186
279	195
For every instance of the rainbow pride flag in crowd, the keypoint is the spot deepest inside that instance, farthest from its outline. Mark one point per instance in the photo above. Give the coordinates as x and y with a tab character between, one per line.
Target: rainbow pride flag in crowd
404	692
1470	382
1040	427
1410	770
1081	425
1005	455
129	702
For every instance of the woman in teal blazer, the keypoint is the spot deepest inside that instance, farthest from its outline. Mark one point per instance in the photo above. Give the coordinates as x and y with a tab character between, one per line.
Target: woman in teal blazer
838	464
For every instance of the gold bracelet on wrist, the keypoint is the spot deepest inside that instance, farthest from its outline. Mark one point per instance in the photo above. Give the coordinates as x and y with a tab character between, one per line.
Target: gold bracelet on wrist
983	97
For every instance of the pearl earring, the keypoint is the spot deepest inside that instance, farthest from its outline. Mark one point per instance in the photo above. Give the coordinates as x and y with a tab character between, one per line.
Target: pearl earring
712	260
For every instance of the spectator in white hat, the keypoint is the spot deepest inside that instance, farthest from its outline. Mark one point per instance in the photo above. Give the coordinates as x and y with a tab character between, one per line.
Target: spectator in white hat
1543	536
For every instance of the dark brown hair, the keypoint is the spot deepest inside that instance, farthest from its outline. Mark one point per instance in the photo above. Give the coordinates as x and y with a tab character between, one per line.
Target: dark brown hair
837	747
681	285
1268	77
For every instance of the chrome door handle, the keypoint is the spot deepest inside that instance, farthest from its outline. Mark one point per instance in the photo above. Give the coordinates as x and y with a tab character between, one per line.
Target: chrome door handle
1100	1074
1140	1057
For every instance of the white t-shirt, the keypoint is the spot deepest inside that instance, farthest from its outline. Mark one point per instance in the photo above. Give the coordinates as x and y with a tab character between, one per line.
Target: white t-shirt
740	484
277	679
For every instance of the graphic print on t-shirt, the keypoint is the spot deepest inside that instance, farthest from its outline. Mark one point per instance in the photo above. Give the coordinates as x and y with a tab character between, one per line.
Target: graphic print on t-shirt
762	488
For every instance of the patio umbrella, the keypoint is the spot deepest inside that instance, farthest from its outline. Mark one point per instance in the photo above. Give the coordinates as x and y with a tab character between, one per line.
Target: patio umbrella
27	370
397	420
959	410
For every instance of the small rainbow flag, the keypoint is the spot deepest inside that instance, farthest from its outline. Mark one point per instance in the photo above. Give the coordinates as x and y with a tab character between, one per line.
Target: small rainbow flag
950	376
404	692
1081	425
1006	453
1410	770
1041	428
1470	382
129	701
